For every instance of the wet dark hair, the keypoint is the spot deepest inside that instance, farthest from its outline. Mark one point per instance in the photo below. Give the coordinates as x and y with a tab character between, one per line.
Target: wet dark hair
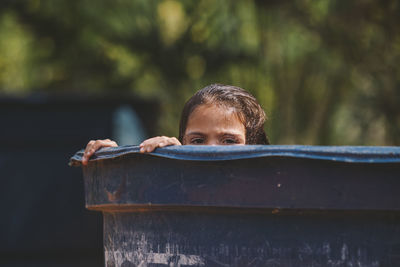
248	110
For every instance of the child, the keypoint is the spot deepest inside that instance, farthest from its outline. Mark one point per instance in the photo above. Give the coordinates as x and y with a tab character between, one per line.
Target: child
216	115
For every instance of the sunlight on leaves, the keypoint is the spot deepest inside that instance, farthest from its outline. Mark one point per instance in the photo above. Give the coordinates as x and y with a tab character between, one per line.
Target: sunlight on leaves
173	21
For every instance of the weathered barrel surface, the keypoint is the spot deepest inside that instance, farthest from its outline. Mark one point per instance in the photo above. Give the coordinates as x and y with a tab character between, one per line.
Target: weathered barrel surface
247	205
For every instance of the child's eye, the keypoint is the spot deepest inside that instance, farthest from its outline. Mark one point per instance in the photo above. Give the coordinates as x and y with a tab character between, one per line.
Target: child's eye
229	141
197	141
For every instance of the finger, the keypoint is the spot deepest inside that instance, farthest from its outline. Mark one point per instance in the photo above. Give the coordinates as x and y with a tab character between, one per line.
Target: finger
90	143
89	146
88	153
101	143
151	146
146	145
151	140
165	143
85	157
162	142
84	161
175	141
170	141
93	146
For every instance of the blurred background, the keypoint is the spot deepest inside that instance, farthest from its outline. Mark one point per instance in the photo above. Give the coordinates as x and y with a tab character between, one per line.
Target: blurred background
326	72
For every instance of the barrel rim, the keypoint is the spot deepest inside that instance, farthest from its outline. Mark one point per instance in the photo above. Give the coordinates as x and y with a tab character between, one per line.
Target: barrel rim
350	154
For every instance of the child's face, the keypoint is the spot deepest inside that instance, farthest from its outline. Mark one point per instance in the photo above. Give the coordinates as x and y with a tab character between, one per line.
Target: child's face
214	125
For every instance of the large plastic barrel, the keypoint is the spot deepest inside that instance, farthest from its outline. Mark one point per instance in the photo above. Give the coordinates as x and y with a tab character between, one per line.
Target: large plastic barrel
247	205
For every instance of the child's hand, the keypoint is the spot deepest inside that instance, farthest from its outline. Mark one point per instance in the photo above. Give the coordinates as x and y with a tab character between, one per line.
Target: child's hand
93	146
160	141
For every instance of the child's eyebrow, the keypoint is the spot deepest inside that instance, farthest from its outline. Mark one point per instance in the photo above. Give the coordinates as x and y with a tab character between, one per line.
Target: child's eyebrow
225	134
230	134
195	133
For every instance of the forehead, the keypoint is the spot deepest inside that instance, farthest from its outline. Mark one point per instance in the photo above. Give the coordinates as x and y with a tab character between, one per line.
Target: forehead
214	117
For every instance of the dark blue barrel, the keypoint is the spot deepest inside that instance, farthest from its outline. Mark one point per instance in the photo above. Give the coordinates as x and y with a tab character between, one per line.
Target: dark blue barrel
247	205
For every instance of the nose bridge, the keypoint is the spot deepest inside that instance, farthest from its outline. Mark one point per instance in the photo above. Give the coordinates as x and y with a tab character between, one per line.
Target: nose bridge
212	142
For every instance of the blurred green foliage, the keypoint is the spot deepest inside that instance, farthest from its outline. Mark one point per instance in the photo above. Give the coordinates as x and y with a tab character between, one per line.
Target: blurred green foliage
327	72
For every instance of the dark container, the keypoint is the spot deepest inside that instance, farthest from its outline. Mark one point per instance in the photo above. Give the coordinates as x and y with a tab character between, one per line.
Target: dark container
247	205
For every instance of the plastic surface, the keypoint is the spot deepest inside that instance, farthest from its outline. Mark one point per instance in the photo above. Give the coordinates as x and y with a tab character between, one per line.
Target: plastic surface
356	154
